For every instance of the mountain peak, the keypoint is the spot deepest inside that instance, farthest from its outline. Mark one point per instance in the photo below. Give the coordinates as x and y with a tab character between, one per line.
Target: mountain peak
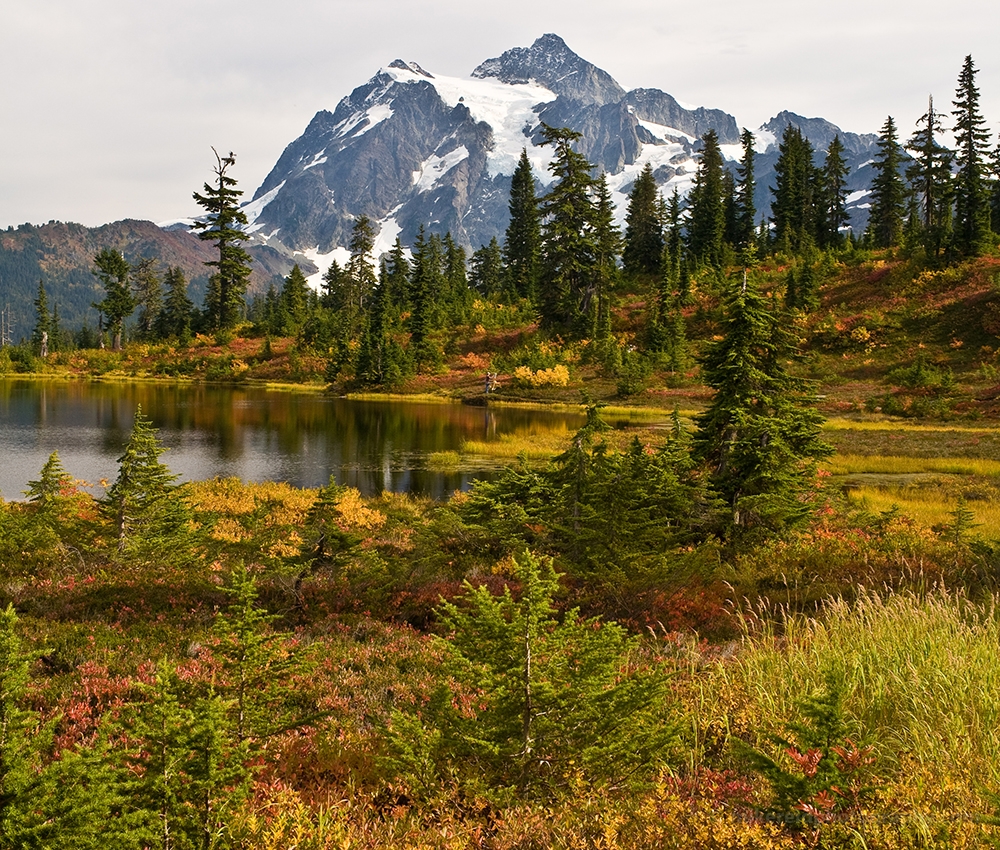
550	62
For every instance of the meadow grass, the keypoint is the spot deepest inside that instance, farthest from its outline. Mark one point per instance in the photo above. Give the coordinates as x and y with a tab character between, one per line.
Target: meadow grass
929	508
921	678
851	464
535	446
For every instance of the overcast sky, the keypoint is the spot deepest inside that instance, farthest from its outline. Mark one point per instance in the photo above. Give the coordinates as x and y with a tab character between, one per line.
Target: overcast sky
109	108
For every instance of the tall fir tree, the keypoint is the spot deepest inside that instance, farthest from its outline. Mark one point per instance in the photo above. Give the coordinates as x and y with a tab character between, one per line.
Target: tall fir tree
40	335
178	309
793	205
596	302
487	274
147	288
972	232
673	248
294	301
457	294
760	436
930	177
111	268
706	226
885	217
397	279
361	275
568	250
832	213
643	246
746	186
522	245
426	286
222	224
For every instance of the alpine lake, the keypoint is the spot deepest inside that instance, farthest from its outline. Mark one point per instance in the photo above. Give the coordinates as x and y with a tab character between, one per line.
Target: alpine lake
256	434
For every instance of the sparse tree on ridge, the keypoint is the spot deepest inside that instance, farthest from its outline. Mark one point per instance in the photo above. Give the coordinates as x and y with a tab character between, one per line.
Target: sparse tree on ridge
223	225
972	202
930	178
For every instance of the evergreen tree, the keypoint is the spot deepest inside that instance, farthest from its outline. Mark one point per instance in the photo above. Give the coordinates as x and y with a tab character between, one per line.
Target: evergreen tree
222	225
556	696
175	317
18	754
522	246
294	299
832	213
186	776
596	301
60	338
760	436
673	248
381	359
256	664
643	248
336	292
885	218
148	517
706	227
43	324
567	232
360	272
396	280
972	203
426	286
746	186
147	289
929	176
793	208
113	272
457	295
487	275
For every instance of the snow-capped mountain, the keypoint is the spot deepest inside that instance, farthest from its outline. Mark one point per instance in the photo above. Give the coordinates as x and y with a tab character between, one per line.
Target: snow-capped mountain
411	148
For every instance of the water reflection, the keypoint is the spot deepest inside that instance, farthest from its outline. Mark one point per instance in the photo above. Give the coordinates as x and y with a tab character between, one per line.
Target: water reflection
250	433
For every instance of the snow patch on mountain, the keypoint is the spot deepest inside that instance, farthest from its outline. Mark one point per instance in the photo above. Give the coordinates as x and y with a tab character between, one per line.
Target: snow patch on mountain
763	139
389	229
732	152
854	197
666	134
322	263
435	167
509	109
253	209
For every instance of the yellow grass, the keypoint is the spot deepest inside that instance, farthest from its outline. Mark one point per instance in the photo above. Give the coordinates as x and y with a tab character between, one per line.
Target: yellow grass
837	424
900	465
925	507
536	446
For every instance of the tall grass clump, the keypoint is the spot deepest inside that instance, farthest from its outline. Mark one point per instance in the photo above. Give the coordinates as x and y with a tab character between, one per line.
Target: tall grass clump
920	681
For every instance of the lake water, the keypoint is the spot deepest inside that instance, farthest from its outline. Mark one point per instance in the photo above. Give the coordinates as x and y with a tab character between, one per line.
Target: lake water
250	433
